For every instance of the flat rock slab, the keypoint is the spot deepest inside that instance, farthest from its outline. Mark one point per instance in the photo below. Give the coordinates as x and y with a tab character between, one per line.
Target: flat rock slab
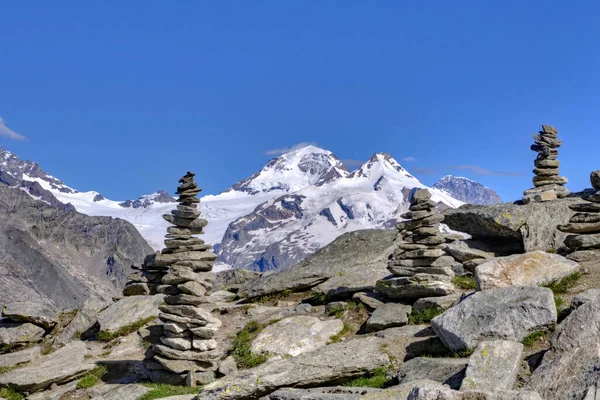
334	363
570	368
529	269
357	278
493	366
19	357
83	320
61	366
388	315
448	371
437	303
462	252
129	311
497	314
439	392
19	333
55	394
410	288
44	315
296	335
122	392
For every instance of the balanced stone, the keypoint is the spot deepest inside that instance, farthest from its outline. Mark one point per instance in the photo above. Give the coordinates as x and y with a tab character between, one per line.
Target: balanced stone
547	182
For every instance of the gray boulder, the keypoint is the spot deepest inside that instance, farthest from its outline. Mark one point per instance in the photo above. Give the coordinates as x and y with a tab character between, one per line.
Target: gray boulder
529	269
296	335
351	250
570	368
351	359
448	371
497	314
493	366
521	228
128	311
19	357
388	315
438	392
121	392
370	299
584	297
44	315
232	279
439	303
18	333
462	252
61	366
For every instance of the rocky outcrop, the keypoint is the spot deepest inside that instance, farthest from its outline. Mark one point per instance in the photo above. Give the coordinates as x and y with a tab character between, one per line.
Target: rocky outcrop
128	311
447	371
530	269
57	256
366	249
513	228
569	370
317	368
498	314
43	315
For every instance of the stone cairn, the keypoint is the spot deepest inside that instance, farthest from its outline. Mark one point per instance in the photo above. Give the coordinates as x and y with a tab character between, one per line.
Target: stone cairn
421	266
187	348
548	184
585	223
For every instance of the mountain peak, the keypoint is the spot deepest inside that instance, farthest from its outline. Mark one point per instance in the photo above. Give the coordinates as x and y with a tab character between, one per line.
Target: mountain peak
467	190
381	164
294	170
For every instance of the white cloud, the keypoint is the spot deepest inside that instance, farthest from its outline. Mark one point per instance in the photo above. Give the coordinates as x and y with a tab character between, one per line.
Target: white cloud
409	159
6	132
283	150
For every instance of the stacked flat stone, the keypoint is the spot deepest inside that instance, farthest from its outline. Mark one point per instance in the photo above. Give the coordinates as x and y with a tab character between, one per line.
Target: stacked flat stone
548	184
187	347
585	224
420	263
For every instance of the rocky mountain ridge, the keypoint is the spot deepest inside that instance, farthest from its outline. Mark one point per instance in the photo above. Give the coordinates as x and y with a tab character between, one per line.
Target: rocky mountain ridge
467	190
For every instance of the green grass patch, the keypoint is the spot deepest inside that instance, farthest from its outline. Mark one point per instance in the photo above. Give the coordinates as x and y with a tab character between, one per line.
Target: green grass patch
124	331
338	338
559	302
162	390
377	378
533	337
92	377
271	297
240	349
4	370
10	394
424	316
465	282
561	286
551	251
317	299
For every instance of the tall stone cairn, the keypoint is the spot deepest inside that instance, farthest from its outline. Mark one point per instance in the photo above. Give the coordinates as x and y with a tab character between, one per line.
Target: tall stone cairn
187	347
585	224
421	266
548	184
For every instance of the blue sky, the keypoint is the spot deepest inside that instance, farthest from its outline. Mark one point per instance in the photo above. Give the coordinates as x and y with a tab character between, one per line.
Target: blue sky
124	97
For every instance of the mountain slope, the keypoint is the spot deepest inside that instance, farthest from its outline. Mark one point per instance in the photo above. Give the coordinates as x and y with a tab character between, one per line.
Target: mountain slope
282	231
467	191
57	255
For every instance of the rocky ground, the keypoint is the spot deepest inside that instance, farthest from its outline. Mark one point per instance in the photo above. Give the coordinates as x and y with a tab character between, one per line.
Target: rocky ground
517	327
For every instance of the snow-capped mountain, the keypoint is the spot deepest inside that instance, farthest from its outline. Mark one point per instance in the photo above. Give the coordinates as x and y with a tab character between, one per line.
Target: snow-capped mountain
297	203
284	230
467	191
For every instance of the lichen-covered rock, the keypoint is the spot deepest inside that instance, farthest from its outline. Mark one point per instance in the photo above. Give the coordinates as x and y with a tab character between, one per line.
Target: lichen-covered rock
509	313
570	368
19	333
337	362
296	335
61	366
529	269
407	288
493	366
